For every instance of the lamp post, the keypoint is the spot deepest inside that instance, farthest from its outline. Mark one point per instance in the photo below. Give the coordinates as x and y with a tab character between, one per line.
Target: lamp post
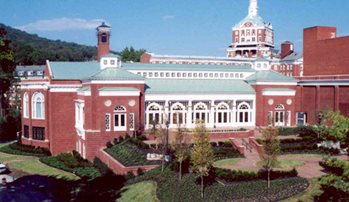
167	125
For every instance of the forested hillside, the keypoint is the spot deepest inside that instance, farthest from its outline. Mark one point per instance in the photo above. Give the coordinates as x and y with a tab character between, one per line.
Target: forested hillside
31	49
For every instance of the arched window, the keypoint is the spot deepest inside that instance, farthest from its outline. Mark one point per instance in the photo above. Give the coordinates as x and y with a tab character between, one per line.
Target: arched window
154	114
25	105
279	107
120	118
244	113
200	112
222	113
178	114
38	105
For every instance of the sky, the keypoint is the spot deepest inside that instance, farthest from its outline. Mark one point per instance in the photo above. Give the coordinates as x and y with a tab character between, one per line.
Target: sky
172	27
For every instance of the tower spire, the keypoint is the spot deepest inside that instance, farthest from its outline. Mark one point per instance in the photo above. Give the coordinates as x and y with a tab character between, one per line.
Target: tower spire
253	8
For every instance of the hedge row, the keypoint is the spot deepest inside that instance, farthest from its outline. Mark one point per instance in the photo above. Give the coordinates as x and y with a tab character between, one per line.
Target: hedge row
301	130
226	152
334	166
240	175
72	162
169	188
27	150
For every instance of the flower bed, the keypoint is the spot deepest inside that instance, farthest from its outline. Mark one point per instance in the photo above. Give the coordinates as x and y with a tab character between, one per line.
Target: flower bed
169	188
129	154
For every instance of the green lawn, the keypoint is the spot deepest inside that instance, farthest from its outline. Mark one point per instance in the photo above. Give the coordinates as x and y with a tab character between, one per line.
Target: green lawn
226	162
139	192
32	165
307	195
303	155
286	164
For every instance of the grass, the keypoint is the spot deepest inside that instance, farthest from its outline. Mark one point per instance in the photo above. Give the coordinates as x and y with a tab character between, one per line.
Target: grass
307	195
303	155
32	165
226	162
142	191
285	164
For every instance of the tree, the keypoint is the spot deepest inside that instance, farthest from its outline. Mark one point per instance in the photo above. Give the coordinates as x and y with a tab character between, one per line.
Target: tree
181	147
131	55
271	150
161	138
7	68
202	155
334	126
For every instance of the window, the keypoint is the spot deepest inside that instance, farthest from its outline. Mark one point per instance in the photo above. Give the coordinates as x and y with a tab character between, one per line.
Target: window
222	113
38	133
244	113
132	121
104	38
25	105
153	114
26	131
38	105
107	122
119	118
112	62
200	113
178	114
150	74
79	115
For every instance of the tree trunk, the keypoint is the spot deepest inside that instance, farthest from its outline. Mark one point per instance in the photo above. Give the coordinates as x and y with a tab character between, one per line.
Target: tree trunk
268	178
180	170
202	186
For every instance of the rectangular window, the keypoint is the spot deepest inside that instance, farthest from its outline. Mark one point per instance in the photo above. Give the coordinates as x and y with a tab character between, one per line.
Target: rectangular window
107	122
38	133
132	121
26	131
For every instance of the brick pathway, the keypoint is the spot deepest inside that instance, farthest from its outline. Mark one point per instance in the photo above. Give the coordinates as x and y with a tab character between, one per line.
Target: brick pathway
310	169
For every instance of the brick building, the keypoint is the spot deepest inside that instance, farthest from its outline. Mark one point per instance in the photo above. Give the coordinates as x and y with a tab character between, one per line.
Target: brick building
82	105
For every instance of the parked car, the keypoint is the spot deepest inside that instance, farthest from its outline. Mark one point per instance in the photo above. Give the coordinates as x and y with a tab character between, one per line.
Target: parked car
3	168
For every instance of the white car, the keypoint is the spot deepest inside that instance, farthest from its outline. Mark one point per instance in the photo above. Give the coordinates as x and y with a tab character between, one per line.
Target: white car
3	168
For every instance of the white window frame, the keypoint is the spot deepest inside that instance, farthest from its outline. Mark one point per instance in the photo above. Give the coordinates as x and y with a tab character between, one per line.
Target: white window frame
35	101
119	112
25	105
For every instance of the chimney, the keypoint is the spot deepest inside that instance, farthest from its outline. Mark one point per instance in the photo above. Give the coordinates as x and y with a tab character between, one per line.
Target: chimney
286	49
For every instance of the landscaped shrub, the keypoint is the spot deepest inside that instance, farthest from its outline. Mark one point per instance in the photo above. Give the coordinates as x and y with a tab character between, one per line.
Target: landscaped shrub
169	188
287	131
129	154
28	150
73	163
109	144
239	175
334	165
101	167
226	152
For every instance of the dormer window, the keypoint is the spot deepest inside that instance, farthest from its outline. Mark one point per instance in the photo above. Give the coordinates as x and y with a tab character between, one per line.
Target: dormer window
105	62
112	62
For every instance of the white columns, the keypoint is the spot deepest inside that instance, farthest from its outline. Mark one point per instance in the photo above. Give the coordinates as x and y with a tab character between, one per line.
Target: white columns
189	114
233	114
212	114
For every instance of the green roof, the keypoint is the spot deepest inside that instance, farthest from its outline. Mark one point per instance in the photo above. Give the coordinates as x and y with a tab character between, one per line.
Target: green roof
73	70
187	67
197	86
119	89
269	76
112	73
256	20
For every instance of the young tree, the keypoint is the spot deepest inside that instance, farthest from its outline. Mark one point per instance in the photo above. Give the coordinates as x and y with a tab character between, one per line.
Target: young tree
161	138
181	147
334	126
202	153
271	150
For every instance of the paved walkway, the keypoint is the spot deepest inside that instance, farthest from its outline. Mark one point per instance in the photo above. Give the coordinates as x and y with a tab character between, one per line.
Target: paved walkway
310	169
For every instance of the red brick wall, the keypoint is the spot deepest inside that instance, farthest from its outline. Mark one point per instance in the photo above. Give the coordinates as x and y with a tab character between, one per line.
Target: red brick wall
145	58
323	54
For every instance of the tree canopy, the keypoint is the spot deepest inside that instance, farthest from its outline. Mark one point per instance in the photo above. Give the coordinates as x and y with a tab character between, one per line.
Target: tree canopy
334	126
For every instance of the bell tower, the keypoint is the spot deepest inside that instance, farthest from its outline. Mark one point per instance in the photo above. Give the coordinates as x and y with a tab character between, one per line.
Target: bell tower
253	8
103	35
